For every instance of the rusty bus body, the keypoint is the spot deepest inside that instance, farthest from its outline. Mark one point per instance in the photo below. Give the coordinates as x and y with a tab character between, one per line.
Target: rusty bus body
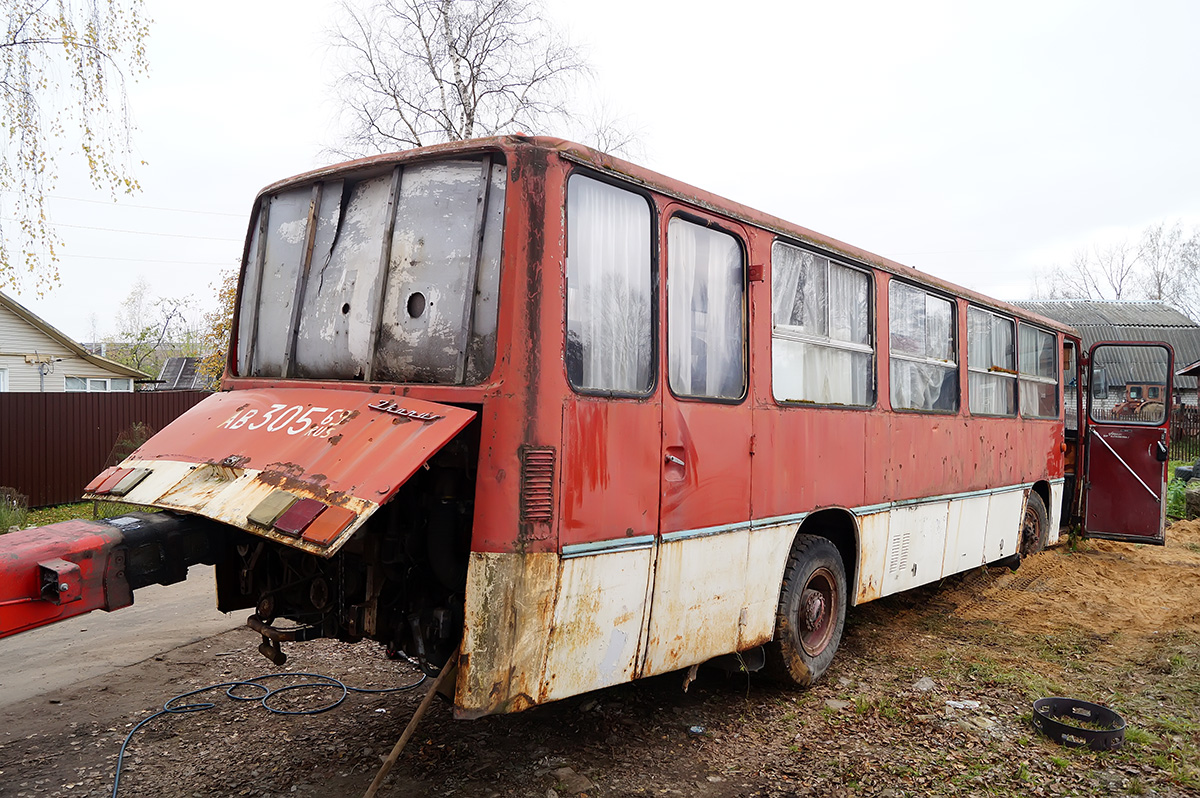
572	423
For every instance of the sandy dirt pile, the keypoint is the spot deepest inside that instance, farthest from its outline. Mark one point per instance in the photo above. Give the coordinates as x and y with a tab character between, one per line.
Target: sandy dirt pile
1101	586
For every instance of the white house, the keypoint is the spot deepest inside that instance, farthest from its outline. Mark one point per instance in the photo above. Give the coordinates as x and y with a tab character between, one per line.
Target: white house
34	356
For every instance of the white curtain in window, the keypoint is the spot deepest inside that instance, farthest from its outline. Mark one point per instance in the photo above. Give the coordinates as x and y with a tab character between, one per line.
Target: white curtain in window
609	291
991	360
808	372
1039	373
924	375
705	299
849	316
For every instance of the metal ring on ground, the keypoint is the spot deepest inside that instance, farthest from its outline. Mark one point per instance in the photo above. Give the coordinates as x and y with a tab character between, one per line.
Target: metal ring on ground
1057	718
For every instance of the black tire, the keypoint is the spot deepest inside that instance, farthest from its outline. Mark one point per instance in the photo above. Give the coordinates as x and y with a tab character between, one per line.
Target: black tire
1035	525
811	614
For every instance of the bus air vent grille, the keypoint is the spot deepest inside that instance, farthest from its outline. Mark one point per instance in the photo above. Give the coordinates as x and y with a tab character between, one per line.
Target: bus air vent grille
537	484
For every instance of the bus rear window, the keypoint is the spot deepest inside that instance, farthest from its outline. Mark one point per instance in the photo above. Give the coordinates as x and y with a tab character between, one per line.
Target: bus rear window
336	287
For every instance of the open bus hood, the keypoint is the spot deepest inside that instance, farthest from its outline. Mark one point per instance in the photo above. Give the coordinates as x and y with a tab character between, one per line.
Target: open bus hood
303	466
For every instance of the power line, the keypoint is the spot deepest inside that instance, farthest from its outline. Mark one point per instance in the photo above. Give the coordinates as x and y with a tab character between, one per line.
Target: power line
132	232
231	264
144	207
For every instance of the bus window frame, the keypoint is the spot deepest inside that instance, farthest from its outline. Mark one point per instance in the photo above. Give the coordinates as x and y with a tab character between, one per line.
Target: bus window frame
956	317
738	233
655	284
1014	375
1056	382
872	328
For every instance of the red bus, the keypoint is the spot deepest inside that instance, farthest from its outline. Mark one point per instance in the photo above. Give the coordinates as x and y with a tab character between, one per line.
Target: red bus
519	407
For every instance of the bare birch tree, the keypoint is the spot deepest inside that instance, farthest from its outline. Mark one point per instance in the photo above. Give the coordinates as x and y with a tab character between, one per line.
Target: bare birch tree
417	72
63	69
1164	265
1170	267
1105	273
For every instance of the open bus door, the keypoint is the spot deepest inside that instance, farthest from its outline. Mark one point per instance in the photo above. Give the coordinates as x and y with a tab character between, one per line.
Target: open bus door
1127	443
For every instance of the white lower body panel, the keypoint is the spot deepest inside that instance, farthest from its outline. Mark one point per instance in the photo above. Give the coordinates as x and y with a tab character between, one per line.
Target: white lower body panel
541	627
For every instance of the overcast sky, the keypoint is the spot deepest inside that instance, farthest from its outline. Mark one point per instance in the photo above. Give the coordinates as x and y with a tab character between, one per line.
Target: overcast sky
982	143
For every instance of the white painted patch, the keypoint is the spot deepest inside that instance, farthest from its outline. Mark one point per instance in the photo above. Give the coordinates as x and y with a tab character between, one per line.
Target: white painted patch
1055	508
599	622
223	494
916	545
715	594
964	534
872	555
1003	534
699	589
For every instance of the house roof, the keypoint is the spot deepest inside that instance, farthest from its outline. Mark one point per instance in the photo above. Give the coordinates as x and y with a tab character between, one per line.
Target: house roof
51	331
180	374
1128	321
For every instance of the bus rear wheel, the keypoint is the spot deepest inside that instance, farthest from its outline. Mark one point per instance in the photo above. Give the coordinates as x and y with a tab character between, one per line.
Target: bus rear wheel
811	614
1035	525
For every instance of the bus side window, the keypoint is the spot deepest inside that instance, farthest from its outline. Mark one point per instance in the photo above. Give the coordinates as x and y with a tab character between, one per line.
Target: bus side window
923	362
1071	395
610	344
706	297
821	348
1037	363
991	364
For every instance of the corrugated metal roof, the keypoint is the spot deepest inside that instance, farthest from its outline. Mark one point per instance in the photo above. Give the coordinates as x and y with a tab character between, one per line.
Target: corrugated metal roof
180	374
1085	313
1128	321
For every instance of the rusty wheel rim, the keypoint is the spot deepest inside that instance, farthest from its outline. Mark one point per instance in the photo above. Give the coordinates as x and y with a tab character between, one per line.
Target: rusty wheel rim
818	609
1029	530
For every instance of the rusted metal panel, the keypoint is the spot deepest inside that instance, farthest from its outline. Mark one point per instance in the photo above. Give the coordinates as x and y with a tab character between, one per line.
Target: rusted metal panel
610	468
1126	483
715	591
54	443
347	449
872	555
915	546
599	623
510	601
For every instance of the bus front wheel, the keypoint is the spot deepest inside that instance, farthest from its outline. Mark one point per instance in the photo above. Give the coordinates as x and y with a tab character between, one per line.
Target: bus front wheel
812	611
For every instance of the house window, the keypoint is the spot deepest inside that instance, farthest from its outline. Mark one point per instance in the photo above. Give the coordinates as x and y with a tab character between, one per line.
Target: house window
821	334
3	380
99	385
991	364
924	366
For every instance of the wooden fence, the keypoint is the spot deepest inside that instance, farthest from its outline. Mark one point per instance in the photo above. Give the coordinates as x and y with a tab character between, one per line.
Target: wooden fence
52	444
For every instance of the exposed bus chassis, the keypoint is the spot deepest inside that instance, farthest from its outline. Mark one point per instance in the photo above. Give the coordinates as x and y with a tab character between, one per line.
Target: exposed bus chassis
400	580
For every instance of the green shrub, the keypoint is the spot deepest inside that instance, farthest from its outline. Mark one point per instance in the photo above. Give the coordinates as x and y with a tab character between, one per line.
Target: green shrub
14	509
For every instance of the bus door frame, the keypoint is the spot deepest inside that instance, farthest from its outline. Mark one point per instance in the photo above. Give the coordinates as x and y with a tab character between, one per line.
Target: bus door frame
1125	465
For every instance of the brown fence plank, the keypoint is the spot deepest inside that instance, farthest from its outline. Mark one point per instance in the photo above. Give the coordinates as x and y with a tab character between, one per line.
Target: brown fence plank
52	444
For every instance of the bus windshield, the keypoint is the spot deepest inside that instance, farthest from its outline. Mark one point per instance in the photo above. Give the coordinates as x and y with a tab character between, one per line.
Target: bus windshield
338	288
